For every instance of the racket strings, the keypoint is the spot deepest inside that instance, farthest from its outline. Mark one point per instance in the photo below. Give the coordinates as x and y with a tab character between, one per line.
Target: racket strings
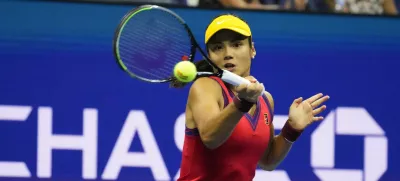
141	71
125	46
151	43
168	63
137	68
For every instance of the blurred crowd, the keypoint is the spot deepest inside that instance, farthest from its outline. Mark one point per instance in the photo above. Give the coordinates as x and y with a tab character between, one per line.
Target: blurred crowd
370	7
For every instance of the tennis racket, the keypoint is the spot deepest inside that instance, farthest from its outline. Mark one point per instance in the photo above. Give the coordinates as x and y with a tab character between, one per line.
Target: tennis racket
150	40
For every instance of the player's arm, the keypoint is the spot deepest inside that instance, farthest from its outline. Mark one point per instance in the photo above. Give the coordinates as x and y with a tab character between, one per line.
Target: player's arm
277	149
214	125
276	152
301	114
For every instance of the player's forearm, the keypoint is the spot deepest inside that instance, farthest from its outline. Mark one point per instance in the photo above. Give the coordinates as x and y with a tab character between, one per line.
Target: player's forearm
279	147
218	129
278	150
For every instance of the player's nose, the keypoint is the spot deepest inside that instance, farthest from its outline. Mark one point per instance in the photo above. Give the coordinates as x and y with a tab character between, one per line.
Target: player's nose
228	57
228	54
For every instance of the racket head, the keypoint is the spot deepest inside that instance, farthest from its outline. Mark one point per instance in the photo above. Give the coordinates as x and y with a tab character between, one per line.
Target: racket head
150	40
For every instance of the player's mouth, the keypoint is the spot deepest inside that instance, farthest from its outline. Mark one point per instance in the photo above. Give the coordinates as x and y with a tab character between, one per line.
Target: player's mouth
230	66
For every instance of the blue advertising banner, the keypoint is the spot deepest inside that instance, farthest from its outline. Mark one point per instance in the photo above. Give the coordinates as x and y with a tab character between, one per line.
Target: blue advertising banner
68	113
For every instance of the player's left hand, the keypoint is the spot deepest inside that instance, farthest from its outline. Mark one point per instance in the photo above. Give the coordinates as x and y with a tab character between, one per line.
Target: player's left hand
303	113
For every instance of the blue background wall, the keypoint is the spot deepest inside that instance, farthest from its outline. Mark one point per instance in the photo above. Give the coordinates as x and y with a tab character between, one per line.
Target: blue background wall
60	55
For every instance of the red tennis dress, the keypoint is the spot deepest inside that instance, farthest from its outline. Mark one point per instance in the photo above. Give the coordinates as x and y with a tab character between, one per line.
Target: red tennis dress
237	158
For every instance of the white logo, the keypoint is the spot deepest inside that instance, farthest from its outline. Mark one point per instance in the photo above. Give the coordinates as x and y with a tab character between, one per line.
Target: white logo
354	122
15	114
342	121
87	143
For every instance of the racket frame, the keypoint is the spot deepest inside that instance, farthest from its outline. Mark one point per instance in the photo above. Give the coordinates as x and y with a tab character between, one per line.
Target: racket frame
225	75
116	38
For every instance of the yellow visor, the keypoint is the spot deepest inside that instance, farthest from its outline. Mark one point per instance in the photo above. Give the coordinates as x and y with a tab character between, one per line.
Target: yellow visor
227	22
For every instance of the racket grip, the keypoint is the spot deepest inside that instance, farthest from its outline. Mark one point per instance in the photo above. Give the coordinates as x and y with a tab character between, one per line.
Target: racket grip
234	79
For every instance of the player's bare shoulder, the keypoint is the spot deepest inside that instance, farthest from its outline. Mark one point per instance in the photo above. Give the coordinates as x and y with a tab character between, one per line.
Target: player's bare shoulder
204	86
203	91
270	99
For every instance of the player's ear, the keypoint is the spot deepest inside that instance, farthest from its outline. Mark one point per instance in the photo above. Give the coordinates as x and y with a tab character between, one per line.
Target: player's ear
253	50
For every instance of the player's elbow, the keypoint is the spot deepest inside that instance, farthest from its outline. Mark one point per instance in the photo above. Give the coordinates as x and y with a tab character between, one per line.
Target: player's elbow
210	142
211	146
267	166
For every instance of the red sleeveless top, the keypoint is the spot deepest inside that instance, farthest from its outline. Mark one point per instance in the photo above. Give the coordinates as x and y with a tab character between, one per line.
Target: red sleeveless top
237	158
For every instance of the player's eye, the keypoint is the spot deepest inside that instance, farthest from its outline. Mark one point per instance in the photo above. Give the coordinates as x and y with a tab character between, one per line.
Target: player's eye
237	44
216	48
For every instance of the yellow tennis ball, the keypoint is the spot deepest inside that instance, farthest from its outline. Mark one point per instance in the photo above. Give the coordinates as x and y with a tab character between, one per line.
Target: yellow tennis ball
185	71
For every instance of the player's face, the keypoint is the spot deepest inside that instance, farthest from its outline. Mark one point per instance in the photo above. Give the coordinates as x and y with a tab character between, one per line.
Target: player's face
231	51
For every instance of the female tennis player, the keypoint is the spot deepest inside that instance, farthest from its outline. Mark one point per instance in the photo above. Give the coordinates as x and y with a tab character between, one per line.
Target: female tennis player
229	130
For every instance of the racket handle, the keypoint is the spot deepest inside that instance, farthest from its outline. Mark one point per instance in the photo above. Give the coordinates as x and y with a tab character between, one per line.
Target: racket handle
235	80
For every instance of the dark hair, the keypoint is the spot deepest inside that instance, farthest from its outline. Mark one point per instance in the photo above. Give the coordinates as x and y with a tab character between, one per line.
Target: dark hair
203	65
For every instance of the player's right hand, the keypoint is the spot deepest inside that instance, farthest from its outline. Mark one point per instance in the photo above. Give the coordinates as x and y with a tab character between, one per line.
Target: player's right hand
250	92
